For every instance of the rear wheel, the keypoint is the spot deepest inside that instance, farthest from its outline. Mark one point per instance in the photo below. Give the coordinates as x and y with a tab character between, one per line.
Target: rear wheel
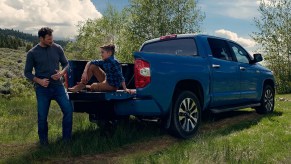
267	101
186	115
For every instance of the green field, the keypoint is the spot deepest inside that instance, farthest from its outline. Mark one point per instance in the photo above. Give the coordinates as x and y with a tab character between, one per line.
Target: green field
234	137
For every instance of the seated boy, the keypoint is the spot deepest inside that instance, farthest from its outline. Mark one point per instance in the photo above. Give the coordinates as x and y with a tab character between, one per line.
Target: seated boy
110	78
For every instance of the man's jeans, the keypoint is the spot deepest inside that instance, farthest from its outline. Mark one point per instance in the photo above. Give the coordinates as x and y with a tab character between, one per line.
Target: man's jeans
44	97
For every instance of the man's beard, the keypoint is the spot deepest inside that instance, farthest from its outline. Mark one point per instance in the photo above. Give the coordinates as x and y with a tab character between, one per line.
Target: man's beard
50	44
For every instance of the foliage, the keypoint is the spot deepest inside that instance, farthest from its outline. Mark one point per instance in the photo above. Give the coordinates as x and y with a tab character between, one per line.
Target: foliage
152	19
140	21
12	80
274	27
94	33
10	42
10	38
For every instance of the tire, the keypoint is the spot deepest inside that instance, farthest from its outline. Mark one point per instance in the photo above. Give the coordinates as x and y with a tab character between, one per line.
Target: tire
186	115
267	101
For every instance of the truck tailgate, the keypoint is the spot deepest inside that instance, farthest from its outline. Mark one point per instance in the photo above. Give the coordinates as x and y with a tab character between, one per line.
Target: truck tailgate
99	96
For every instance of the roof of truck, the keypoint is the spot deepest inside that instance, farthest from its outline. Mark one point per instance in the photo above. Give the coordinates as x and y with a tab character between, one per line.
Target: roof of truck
174	36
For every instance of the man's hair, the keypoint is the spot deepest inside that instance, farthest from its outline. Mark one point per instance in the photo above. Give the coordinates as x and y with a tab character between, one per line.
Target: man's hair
45	31
109	47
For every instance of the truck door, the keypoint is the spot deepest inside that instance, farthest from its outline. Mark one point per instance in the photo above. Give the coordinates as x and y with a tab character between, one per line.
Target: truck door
225	76
249	75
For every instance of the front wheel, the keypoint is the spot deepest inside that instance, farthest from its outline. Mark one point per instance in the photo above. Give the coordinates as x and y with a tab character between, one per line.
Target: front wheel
267	101
186	115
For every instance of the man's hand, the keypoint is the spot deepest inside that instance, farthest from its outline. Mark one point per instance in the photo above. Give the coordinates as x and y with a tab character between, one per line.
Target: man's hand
57	76
43	82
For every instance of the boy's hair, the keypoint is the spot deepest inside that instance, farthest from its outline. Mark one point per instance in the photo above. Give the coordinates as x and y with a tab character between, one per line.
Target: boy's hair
45	31
109	47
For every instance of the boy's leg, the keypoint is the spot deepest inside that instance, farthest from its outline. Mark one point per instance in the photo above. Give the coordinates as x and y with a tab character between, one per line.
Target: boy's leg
93	70
102	87
97	72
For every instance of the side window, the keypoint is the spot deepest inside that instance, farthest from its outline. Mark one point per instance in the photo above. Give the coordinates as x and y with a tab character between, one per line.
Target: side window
240	54
181	47
219	49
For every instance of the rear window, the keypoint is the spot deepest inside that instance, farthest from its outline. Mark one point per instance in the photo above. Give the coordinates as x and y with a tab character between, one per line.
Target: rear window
182	47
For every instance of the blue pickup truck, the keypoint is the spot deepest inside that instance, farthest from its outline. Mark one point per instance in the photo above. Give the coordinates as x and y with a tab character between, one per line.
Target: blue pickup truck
176	78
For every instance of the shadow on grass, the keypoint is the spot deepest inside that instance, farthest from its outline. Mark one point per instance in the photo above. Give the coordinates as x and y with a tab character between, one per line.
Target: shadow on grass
92	141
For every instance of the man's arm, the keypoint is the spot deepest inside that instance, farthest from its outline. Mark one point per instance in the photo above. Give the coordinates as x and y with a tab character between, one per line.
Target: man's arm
29	66
28	71
64	63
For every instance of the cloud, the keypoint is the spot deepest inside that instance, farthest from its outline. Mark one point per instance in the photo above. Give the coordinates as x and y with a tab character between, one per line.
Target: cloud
62	16
239	9
248	43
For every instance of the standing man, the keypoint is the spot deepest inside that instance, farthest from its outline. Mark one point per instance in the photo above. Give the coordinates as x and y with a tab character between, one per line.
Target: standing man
45	58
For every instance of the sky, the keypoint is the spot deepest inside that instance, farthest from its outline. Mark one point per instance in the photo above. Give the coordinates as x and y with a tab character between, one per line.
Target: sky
225	18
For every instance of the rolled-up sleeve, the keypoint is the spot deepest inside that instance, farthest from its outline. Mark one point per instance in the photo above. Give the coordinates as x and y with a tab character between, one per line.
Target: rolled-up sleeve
98	63
29	66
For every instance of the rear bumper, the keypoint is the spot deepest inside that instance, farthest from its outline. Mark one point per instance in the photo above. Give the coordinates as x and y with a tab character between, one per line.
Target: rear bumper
138	107
122	103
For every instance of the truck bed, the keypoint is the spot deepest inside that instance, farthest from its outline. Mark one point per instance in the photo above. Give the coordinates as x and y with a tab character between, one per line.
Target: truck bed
97	102
76	68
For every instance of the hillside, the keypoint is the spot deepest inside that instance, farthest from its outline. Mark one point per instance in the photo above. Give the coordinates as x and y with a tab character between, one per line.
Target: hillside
12	81
12	62
17	36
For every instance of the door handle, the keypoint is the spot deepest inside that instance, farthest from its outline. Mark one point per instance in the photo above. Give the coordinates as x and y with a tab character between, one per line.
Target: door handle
215	66
242	68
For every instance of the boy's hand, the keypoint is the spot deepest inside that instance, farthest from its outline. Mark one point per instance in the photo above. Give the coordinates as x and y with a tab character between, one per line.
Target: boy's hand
130	91
93	86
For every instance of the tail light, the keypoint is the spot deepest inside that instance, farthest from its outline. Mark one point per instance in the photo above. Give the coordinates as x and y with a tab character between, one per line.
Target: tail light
168	37
142	73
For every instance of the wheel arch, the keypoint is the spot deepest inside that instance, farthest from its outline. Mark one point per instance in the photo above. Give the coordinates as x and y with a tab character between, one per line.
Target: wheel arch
269	82
191	85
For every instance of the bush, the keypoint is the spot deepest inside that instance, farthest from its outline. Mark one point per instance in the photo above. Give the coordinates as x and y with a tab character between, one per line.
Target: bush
15	87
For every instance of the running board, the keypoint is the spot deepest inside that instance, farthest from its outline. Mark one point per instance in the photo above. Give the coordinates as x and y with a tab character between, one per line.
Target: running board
226	109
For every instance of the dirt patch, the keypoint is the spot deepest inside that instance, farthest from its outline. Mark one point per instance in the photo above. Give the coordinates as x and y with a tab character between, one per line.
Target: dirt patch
154	145
13	150
218	121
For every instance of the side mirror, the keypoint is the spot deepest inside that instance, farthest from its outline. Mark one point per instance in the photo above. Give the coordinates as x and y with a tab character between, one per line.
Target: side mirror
257	58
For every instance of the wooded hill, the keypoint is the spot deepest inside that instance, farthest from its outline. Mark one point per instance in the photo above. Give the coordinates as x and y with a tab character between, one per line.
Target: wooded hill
14	39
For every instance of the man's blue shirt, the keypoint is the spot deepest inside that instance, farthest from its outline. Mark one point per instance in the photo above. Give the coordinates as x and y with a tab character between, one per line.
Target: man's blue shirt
112	69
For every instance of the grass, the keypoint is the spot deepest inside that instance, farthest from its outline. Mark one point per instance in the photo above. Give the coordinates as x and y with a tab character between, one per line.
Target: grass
18	129
234	137
264	139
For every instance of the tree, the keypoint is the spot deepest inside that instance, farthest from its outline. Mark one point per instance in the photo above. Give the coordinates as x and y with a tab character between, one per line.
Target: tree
94	33
274	27
150	19
140	21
